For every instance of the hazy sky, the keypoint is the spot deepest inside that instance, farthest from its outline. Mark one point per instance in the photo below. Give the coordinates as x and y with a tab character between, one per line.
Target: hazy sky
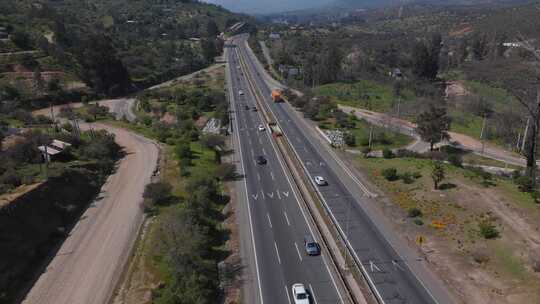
267	6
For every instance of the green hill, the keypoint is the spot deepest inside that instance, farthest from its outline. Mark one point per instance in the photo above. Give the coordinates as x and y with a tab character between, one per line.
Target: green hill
113	46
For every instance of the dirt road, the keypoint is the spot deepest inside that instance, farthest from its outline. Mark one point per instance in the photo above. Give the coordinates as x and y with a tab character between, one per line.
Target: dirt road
456	139
121	108
90	261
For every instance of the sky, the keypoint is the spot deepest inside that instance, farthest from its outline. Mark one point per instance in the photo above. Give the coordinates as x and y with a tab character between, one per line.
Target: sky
267	6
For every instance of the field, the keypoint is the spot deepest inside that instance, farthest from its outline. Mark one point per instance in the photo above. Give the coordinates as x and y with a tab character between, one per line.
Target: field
480	270
364	94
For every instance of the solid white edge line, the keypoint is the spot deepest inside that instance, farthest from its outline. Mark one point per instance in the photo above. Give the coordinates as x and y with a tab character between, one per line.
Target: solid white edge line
231	95
300	207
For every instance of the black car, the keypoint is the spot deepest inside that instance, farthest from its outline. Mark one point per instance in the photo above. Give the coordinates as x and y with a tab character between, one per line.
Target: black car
246	107
254	109
261	160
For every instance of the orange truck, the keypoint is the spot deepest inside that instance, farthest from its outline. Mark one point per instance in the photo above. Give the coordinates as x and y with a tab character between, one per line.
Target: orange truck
276	96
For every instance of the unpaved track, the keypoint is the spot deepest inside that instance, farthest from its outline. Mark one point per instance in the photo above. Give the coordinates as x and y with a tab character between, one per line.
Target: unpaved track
90	261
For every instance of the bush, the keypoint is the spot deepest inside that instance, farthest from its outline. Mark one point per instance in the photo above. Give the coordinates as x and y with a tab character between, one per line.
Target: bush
488	230
535	195
226	171
417	175
414	212
366	151
158	193
418	221
525	183
407	178
390	174
387	153
350	139
455	160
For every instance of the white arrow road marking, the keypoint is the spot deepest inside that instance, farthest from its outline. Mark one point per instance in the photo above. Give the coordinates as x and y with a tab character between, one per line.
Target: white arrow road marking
269	221
286	193
278	195
286	218
255	196
272	175
271	194
264	151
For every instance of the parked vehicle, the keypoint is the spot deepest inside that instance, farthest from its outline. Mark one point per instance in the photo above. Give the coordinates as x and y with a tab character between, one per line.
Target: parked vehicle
261	128
240	92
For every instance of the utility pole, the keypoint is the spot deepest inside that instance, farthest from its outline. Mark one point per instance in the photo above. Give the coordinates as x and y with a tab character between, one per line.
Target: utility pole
370	135
482	132
525	135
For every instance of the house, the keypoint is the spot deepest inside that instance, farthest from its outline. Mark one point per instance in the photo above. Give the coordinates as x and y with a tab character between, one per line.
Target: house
274	36
53	150
396	73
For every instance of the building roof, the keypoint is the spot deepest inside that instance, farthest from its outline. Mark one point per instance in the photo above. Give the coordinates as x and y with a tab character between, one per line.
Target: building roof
49	150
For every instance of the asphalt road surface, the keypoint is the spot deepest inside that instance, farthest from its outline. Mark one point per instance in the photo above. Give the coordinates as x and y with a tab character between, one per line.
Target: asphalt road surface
384	257
90	261
275	221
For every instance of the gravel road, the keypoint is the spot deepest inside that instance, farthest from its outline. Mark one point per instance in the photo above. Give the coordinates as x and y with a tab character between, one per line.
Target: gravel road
90	261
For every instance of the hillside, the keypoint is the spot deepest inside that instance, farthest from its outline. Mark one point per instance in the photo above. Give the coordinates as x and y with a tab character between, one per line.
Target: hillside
107	47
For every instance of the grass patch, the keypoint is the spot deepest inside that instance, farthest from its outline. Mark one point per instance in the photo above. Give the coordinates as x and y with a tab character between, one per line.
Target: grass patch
364	94
507	262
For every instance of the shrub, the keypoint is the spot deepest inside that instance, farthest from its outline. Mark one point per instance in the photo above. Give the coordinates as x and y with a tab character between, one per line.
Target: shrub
525	183
480	256
414	212
418	221
387	153
366	151
226	171
158	193
390	174
350	139
455	160
417	175
535	195
488	230
407	178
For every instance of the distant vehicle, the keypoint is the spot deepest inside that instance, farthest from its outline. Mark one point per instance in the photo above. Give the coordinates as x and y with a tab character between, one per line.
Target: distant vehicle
276	96
254	109
261	128
319	180
238	67
246	107
240	92
312	247
300	294
276	130
261	160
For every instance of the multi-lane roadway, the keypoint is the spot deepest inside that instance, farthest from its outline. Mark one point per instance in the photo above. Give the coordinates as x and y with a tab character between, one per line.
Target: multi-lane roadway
393	270
276	219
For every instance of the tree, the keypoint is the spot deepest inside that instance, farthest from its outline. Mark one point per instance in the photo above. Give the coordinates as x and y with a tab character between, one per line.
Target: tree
426	57
433	125
480	47
209	49
22	40
101	68
212	29
437	174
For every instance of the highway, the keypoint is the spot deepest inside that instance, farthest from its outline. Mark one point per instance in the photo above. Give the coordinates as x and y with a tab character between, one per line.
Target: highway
276	221
394	271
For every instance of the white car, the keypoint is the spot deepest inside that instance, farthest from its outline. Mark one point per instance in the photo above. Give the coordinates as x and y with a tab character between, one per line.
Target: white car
319	180
261	128
300	294
240	92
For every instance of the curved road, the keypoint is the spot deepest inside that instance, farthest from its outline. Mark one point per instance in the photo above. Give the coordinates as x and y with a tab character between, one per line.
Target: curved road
90	261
